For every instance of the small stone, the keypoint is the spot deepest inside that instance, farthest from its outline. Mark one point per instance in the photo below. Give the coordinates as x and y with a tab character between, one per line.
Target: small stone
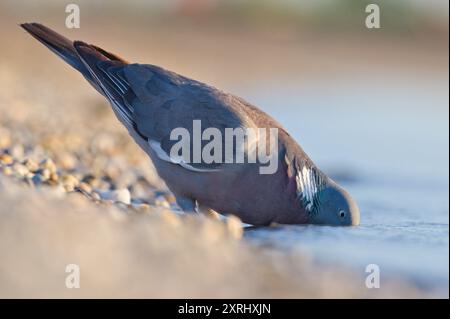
161	201
138	191
95	182
118	195
37	179
31	165
124	207
53	177
69	182
142	208
89	179
78	175
169	198
6	159
95	196
85	188
49	165
20	169
45	173
29	175
234	227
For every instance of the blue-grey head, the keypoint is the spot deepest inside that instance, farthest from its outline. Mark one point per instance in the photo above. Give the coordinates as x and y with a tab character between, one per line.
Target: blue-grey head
325	201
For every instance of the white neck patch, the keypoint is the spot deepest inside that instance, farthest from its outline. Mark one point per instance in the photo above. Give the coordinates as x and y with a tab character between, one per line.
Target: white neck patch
307	186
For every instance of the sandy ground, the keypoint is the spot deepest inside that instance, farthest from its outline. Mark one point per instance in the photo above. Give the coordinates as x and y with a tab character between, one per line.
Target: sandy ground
98	203
157	254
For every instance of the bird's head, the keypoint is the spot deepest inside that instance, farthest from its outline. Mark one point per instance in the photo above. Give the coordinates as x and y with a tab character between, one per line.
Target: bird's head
325	202
335	207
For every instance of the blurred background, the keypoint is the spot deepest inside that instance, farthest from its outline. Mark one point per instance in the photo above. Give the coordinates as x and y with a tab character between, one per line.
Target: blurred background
370	106
317	56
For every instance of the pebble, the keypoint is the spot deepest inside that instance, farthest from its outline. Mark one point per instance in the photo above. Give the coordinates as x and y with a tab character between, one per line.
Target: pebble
124	207
85	187
118	195
6	159
20	169
37	179
49	165
95	196
69	182
53	178
142	208
139	191
58	191
161	201
89	179
95	182
31	165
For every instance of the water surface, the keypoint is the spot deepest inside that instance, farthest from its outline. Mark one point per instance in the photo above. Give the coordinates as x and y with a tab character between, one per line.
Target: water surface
386	141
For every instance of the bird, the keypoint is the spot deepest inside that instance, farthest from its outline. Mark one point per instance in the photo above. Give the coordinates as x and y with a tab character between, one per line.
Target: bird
152	102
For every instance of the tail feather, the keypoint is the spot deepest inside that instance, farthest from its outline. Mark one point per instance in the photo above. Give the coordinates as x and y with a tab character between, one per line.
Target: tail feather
66	50
60	45
103	69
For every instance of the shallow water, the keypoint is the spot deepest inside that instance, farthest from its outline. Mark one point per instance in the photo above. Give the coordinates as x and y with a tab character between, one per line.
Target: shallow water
386	142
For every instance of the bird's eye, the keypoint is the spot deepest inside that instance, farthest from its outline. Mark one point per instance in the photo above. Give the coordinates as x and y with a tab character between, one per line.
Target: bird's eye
342	213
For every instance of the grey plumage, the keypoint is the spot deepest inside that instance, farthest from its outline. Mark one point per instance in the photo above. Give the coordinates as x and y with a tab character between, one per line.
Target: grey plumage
151	101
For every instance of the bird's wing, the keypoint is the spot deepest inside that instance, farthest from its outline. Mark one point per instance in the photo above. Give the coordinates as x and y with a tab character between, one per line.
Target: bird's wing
105	73
163	101
153	102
